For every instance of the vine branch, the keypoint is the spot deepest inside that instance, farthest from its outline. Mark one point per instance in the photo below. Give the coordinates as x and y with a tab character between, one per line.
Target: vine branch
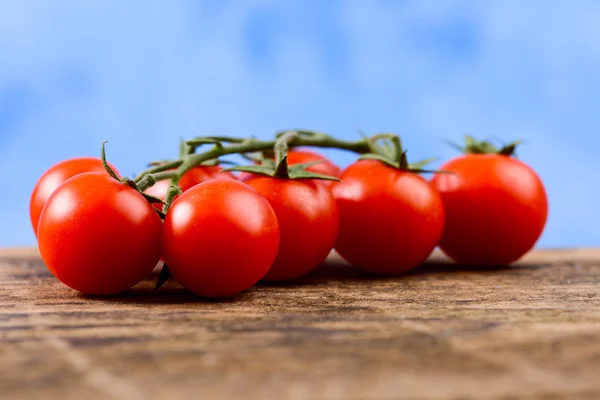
174	170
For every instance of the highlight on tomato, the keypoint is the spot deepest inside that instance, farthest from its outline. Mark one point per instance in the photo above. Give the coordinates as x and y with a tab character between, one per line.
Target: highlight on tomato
99	235
391	218
306	212
496	206
220	238
54	177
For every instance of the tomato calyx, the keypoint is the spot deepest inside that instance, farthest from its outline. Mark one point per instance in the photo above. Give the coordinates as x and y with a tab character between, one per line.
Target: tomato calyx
474	146
280	168
387	149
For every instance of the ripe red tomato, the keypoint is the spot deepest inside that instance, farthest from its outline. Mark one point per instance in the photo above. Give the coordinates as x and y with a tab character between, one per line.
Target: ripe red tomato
390	219
308	222
220	238
98	235
496	209
299	156
54	177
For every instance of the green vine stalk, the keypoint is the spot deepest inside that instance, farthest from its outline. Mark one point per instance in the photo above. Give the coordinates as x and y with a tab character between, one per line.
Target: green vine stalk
223	146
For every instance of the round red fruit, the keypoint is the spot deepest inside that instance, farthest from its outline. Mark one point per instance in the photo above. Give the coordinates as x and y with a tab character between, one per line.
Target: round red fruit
98	235
496	209
390	219
308	221
221	237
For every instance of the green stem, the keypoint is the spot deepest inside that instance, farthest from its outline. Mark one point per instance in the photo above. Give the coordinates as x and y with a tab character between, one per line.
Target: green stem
159	168
281	154
301	138
149	180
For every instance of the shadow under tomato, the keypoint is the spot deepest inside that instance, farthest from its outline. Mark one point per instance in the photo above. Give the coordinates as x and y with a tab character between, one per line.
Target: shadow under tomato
443	266
434	267
337	270
170	293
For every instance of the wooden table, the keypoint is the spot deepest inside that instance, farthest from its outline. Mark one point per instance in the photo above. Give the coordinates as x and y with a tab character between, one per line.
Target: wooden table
531	331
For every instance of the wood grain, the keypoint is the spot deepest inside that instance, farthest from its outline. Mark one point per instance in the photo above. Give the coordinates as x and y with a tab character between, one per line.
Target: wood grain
531	331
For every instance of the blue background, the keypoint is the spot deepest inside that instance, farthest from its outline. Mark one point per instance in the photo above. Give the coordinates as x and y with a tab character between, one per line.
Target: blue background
141	74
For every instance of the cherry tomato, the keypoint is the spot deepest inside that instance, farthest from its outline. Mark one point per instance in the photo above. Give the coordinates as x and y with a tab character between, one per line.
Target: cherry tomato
54	177
390	219
221	237
299	156
98	235
496	209
308	221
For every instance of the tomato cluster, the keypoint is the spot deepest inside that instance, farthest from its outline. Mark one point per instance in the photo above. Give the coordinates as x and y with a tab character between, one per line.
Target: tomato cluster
220	233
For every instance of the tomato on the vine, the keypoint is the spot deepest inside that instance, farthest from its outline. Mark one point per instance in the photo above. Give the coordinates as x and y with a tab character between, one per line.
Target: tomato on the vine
54	177
496	209
220	238
308	221
390	219
98	235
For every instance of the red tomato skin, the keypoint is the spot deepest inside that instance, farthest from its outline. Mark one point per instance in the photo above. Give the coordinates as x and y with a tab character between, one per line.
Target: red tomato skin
308	222
203	173
496	209
220	238
390	220
99	236
56	176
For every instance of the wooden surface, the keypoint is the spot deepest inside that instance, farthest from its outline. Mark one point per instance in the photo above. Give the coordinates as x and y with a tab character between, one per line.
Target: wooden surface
531	331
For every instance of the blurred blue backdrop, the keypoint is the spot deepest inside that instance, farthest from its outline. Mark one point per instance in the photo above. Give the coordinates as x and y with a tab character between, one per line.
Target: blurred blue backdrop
141	74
